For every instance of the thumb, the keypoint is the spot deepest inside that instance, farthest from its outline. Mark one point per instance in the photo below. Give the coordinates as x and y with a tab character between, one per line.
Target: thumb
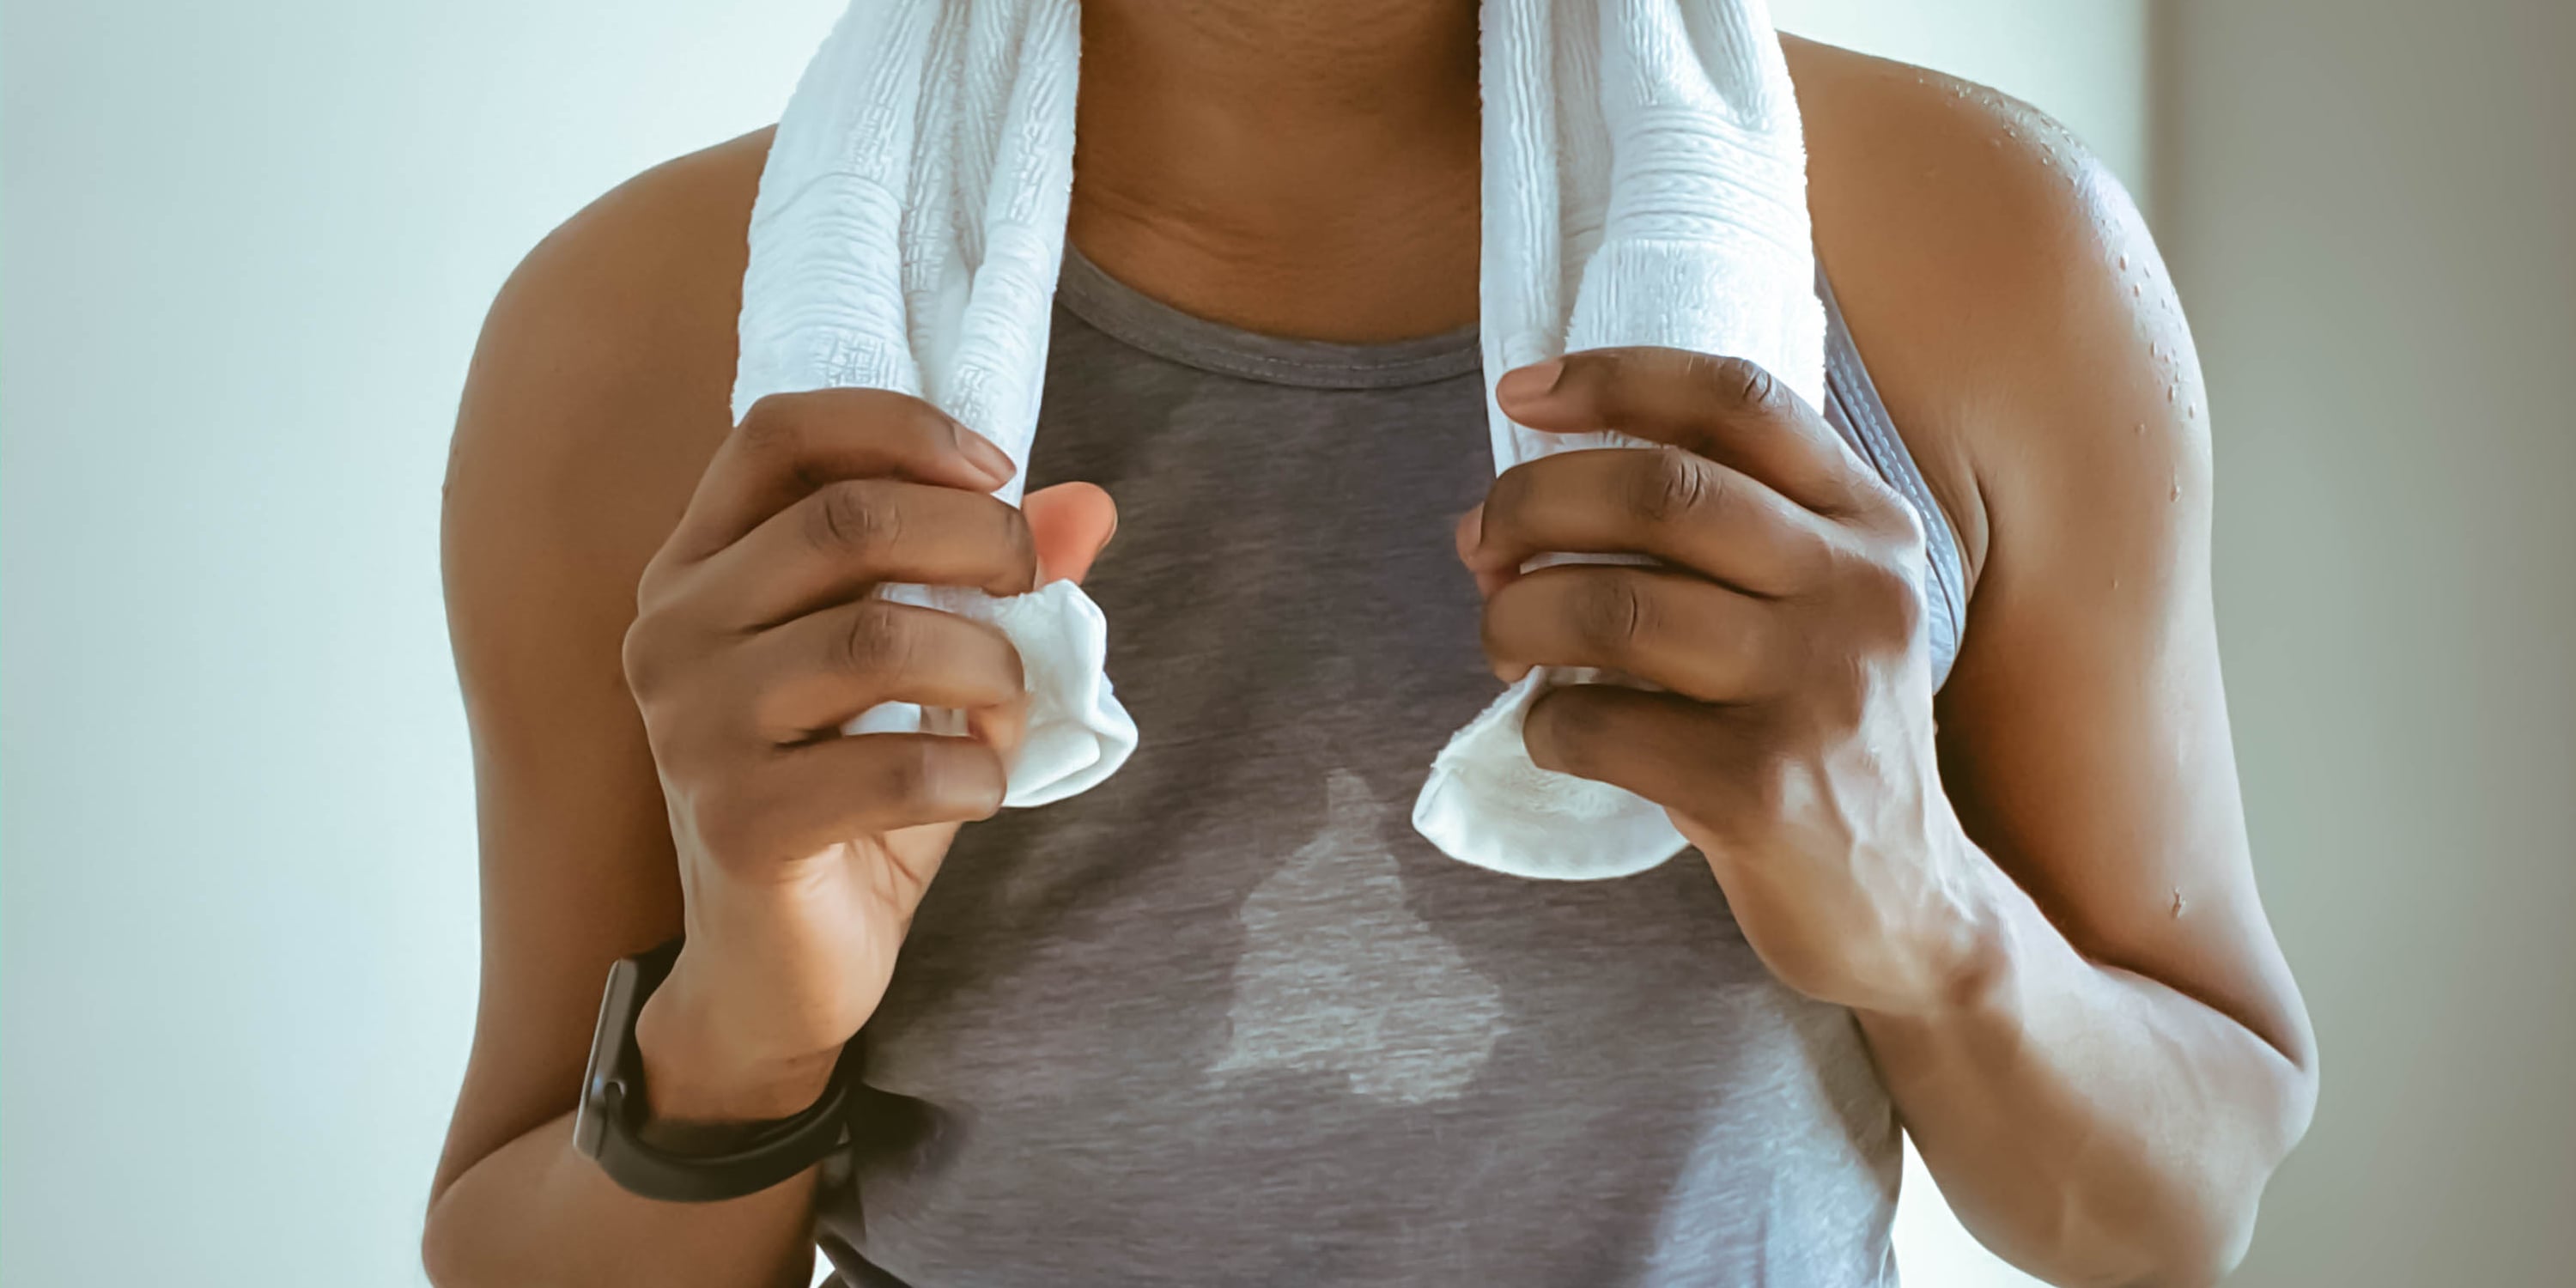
1070	522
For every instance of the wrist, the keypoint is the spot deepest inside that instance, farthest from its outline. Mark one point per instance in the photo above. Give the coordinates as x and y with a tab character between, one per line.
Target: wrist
1966	948
697	1079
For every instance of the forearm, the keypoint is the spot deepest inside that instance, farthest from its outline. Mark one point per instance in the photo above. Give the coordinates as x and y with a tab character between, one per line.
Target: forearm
537	1214
2089	1124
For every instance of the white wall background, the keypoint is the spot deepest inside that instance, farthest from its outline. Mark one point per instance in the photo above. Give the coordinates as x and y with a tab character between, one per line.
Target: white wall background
247	247
2372	218
2083	61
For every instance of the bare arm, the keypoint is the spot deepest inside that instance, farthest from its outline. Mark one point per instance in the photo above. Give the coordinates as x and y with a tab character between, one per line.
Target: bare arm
2040	906
594	398
2129	1061
662	621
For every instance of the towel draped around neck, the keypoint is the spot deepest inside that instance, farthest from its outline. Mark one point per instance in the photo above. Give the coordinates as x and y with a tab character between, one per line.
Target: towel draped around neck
1644	179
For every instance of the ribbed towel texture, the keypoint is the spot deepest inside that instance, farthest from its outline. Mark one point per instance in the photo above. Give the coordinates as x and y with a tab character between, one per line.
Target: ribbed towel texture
1644	184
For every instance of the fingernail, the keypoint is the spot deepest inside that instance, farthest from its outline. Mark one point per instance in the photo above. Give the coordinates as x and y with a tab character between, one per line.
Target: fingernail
981	450
1537	380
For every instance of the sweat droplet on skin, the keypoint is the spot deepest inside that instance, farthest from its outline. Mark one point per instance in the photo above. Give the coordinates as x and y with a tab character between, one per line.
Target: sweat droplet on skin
2177	903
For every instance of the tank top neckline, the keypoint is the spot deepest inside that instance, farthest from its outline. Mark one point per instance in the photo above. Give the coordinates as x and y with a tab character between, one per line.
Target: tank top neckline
1139	320
1852	402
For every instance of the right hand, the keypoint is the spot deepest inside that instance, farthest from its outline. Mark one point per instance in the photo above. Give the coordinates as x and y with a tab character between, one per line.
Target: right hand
803	852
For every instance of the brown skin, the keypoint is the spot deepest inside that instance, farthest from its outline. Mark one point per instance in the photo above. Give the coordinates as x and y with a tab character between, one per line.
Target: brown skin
2034	890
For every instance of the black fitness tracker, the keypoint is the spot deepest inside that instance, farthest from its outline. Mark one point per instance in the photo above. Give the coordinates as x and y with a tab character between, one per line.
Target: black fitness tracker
751	1159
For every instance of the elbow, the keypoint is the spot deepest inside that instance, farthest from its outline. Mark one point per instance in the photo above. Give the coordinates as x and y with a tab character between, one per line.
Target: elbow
2193	1240
440	1251
2204	1258
451	1253
2180	1212
2211	1215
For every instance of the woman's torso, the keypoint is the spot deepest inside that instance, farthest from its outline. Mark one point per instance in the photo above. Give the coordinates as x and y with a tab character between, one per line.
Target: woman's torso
1227	1018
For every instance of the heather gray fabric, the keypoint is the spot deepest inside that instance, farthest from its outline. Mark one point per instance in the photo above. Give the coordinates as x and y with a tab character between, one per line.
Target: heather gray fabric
1226	1019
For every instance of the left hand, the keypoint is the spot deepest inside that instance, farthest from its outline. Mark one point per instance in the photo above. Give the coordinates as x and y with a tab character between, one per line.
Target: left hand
1785	620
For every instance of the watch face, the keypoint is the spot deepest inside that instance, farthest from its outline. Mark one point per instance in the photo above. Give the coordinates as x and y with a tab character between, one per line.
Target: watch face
608	1040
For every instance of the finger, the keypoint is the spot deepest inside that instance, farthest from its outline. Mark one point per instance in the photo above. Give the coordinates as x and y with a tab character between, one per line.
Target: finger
1691	636
814	674
831	546
1003	728
788	445
1726	409
1666	502
1488	579
806	798
1071	522
1661	746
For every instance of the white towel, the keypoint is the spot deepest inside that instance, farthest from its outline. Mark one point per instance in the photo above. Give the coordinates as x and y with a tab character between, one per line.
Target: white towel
1644	183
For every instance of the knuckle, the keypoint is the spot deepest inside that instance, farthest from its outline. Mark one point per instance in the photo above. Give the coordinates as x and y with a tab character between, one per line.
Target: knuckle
1747	383
1609	610
929	777
642	655
1908	613
851	516
906	776
649	582
635	655
1886	587
874	639
1702	369
772	426
1903	520
1672	486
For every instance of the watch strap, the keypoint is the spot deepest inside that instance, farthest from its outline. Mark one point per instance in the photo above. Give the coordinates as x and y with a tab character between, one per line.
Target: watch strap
754	1158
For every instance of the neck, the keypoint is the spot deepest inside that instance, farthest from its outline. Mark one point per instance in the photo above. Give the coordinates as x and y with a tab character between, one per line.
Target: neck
1303	169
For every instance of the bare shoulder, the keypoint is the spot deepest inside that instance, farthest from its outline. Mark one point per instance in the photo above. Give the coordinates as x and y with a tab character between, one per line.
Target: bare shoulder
599	389
601	382
2004	290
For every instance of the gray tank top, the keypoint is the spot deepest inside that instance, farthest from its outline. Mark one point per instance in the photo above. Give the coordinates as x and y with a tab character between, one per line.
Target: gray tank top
1227	1018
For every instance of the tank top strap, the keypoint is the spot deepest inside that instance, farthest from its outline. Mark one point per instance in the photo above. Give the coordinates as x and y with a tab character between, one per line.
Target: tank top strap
1853	406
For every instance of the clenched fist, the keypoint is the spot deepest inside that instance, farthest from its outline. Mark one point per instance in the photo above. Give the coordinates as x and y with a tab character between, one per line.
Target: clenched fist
1783	617
803	852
